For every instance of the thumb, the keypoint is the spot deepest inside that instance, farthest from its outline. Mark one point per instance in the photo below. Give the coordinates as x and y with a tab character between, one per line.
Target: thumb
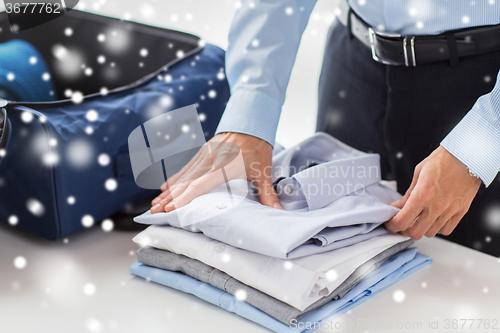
267	194
400	202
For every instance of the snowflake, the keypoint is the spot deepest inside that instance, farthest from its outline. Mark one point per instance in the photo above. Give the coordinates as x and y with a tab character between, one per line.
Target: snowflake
77	97
68	32
212	93
11	76
240	295
20	262
289	11
35	207
89	289
107	225
71	200
33	60
94	325
50	159
332	275
143	52
101	38
46	76
13	220
399	296
101	59
26	117
87	221
111	184
103	159
492	217
92	115
221	76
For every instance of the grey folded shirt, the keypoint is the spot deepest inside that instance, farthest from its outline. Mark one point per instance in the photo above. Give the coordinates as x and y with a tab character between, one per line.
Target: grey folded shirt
275	308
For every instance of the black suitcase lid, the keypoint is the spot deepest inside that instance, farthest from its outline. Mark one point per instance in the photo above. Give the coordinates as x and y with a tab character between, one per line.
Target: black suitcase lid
91	37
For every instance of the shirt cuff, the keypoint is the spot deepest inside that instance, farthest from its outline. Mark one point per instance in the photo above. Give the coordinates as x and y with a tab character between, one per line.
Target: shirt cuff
476	143
253	113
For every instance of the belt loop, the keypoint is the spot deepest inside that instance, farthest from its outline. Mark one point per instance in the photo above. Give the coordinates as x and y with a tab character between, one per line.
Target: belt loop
349	22
452	48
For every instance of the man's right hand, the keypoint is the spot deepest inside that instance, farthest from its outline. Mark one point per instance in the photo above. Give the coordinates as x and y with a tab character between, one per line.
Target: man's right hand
192	180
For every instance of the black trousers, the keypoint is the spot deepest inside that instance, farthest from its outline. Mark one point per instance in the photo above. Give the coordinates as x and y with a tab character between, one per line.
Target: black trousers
403	113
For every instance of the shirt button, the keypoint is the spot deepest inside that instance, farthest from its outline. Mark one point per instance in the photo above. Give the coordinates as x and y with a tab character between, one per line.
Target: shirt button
219	248
287	189
221	205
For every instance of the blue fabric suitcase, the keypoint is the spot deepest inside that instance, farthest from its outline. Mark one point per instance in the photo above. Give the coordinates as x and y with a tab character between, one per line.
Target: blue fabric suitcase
64	167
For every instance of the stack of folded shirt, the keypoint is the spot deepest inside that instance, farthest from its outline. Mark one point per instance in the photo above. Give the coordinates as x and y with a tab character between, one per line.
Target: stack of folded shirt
321	255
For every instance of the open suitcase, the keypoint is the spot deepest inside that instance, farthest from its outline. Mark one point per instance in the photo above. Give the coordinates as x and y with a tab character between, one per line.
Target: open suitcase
63	170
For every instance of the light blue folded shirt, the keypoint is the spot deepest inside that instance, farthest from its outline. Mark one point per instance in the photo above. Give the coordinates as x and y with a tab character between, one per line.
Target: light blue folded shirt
394	269
333	204
263	43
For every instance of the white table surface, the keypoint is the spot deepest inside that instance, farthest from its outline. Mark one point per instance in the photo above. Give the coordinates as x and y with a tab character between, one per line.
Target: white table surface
48	294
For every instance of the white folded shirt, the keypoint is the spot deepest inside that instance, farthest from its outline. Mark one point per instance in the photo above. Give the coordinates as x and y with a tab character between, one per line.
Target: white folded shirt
298	282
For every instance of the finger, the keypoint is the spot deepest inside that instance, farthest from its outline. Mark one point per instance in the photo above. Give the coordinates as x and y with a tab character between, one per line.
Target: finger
197	169
405	217
421	224
192	164
451	224
439	223
168	196
402	201
196	188
267	194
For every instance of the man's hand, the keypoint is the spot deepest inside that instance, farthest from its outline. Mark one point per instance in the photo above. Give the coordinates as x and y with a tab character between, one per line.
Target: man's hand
193	180
439	196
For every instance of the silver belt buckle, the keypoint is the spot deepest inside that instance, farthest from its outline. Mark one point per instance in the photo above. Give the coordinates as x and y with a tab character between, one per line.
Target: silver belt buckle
373	36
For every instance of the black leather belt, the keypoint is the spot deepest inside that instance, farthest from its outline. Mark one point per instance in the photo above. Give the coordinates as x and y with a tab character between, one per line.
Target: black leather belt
395	49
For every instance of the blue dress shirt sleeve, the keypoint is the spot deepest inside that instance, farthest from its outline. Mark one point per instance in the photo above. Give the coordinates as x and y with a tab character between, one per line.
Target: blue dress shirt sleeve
475	141
263	43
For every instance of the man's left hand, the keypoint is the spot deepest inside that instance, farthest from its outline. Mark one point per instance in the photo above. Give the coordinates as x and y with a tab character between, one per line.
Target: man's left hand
439	196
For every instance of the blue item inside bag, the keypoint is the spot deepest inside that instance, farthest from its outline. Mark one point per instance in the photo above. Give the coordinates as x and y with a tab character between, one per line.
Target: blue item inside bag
20	63
67	164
